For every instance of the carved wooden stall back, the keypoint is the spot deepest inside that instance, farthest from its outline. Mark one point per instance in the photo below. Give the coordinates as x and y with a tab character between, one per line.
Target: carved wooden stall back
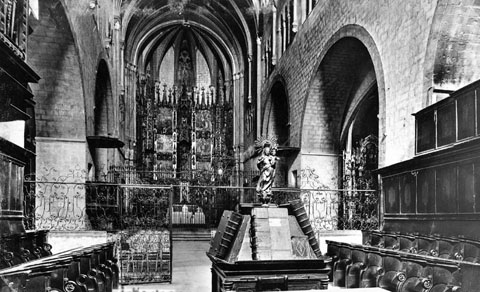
434	192
429	240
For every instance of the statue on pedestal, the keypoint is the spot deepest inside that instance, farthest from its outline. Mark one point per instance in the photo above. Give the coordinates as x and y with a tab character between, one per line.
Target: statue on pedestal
266	163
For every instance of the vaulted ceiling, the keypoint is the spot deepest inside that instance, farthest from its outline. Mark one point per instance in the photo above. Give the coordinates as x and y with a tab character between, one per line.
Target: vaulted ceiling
226	27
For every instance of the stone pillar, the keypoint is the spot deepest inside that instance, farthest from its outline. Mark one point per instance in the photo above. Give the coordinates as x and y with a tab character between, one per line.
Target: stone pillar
295	17
241	114
274	35
259	87
227	85
304	10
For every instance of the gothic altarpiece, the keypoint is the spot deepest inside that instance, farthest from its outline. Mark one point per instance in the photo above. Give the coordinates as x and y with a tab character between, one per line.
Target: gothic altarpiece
184	130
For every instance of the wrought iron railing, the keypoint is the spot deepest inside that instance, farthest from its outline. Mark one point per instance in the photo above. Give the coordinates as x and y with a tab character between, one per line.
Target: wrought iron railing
68	202
113	207
59	205
219	177
137	218
327	209
341	209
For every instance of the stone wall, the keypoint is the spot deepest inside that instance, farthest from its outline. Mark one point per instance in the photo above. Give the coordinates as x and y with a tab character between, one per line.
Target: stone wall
59	98
395	34
68	42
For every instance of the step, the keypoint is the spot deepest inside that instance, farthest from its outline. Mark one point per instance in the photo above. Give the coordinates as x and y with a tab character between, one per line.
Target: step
183	234
335	288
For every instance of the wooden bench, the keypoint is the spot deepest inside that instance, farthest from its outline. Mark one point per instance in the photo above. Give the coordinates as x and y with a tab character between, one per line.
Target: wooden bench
78	270
23	247
458	248
361	266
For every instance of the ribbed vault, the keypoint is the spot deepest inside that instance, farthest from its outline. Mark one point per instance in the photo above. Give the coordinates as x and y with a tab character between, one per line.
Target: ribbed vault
226	27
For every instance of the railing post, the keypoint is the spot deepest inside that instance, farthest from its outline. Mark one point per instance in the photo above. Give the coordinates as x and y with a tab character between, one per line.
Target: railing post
170	207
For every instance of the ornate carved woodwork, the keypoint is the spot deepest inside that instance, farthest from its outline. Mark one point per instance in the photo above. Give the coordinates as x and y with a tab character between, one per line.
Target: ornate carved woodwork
434	192
16	104
449	121
431	263
183	130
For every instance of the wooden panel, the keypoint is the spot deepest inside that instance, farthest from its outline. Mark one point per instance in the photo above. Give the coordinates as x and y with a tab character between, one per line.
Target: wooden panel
407	193
261	229
390	189
466	115
477	186
215	246
477	98
426	191
13	98
446	124
425	132
243	232
280	233
446	190
11	186
466	193
5	185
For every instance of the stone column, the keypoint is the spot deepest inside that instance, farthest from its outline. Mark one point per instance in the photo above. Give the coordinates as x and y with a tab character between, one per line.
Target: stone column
295	17
274	35
259	87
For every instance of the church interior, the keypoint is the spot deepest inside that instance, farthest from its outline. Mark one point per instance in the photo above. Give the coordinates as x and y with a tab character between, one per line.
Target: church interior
292	144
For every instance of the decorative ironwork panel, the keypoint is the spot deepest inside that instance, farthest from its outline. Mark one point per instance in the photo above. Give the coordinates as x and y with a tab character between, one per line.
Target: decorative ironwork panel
55	205
203	205
145	236
137	217
338	209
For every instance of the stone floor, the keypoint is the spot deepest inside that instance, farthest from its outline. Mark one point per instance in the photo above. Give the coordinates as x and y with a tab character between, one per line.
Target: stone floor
191	272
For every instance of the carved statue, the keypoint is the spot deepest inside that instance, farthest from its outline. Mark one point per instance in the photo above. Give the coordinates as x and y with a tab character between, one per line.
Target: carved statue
266	163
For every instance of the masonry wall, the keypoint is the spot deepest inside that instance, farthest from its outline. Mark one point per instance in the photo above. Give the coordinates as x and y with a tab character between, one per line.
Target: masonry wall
399	31
60	110
89	28
67	44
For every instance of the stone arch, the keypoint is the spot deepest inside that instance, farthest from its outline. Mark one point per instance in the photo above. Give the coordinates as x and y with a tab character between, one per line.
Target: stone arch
54	56
60	120
323	118
276	116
